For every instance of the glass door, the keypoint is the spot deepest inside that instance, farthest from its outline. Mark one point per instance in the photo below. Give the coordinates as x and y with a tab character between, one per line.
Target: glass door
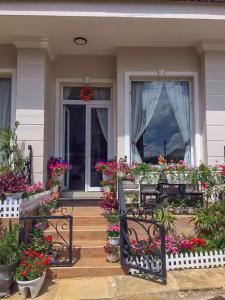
87	140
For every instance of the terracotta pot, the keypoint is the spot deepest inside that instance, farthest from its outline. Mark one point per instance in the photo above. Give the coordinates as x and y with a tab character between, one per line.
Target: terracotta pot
6	278
112	257
114	241
34	286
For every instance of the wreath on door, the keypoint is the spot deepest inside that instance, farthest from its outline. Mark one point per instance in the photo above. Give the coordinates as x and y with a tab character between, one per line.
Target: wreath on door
86	93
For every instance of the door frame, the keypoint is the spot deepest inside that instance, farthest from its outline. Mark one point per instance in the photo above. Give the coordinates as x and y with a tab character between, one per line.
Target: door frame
59	121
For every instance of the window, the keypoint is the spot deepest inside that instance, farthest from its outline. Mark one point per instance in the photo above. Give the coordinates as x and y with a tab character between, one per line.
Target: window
160	120
5	102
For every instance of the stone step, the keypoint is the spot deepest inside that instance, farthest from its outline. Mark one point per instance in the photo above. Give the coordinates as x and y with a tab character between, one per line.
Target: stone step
81	211
87	267
80	233
89	221
87	251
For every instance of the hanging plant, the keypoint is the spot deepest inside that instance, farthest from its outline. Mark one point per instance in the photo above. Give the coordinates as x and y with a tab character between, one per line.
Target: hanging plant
86	93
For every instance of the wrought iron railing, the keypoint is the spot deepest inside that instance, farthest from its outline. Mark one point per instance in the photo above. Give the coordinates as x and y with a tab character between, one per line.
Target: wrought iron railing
59	227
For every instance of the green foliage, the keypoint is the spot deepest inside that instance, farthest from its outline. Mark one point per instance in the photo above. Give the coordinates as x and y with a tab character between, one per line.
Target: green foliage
9	245
169	220
210	223
11	156
112	217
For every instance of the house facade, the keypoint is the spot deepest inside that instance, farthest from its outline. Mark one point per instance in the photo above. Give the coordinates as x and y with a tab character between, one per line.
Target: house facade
156	71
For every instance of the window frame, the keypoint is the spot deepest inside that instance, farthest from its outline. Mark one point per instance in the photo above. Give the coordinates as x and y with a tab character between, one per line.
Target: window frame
192	78
11	73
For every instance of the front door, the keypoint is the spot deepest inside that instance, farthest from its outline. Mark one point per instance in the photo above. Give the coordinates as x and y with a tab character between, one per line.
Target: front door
87	140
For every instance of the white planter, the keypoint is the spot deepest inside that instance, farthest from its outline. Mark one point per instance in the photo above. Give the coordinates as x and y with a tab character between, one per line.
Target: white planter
107	188
55	189
106	177
150	178
33	201
58	178
34	286
177	178
112	257
114	241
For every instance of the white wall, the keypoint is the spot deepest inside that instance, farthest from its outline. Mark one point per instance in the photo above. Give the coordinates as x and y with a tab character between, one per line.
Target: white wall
30	106
148	59
215	105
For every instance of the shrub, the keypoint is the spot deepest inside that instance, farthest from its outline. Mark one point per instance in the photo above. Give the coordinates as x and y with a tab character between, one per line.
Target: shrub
11	156
9	246
210	221
10	183
109	201
112	217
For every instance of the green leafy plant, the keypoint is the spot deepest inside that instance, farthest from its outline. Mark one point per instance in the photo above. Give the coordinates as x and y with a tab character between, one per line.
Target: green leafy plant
112	217
9	245
210	223
169	220
11	156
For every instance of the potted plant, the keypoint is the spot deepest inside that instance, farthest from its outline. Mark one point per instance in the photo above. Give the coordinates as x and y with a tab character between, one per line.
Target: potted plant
9	256
178	173
31	271
57	168
108	169
113	233
146	173
107	185
112	253
112	217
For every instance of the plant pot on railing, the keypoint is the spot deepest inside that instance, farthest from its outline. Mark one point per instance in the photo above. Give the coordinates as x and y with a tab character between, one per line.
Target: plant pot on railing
6	278
32	286
150	178
177	178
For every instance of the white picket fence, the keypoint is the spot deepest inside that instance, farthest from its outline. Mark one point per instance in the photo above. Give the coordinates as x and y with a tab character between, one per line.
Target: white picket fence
11	208
195	260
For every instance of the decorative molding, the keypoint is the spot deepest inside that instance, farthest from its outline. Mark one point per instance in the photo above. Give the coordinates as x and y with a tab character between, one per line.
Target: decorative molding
34	43
210	45
161	72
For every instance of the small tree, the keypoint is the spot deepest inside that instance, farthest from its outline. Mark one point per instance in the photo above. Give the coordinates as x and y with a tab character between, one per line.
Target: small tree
12	159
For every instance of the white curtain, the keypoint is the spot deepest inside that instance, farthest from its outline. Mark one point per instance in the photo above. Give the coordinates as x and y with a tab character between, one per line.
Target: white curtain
178	93
144	99
5	102
102	114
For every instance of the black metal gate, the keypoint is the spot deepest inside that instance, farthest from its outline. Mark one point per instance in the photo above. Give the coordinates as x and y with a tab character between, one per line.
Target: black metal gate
142	240
59	227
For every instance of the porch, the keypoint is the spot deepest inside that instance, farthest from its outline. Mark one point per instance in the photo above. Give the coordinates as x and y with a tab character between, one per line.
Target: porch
142	49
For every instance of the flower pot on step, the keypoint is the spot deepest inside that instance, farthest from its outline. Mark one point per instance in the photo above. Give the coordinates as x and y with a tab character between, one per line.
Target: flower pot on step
32	286
6	278
112	257
58	178
107	188
114	241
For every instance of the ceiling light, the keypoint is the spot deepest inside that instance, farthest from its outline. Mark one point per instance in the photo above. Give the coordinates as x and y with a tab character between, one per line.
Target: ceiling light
80	41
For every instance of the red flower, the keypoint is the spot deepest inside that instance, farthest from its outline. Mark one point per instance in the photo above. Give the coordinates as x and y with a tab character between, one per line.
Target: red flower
23	273
205	184
48	238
